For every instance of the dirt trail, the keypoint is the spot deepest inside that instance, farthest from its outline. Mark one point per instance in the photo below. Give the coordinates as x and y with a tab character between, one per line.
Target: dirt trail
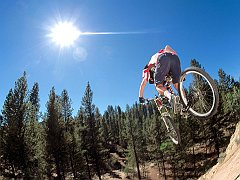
152	171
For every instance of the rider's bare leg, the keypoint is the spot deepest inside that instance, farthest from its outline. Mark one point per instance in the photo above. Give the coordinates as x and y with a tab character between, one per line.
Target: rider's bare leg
162	90
176	86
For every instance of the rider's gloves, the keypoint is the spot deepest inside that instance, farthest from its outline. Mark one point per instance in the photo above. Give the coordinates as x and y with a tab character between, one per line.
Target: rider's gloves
141	100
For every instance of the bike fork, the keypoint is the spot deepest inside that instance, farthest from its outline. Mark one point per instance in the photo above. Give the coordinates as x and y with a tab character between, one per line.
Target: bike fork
166	124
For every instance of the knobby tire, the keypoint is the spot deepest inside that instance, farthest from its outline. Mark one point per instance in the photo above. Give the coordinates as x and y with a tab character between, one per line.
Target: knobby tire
195	71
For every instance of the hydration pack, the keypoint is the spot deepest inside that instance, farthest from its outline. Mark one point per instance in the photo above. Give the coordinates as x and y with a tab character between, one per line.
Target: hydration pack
151	74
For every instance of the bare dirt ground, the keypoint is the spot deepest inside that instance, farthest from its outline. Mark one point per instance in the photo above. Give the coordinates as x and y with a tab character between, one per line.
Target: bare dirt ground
151	173
229	167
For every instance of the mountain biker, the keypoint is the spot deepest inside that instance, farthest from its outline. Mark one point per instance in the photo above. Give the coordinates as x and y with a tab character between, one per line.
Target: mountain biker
160	64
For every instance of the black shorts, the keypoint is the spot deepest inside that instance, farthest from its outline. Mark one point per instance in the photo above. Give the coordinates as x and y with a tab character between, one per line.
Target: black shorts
166	63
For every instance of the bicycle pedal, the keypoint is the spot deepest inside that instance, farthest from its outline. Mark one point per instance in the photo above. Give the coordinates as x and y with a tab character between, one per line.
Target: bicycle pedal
177	99
177	108
185	114
165	114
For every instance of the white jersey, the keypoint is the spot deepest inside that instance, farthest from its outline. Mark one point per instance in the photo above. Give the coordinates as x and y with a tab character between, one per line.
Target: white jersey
154	58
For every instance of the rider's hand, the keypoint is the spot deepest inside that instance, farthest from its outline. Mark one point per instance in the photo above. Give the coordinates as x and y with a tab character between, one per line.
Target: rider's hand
141	100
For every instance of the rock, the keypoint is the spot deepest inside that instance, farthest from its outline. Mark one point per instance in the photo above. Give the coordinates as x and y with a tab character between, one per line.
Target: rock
228	167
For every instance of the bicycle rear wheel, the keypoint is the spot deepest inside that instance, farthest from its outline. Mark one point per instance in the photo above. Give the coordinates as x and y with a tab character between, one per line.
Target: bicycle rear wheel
172	131
198	92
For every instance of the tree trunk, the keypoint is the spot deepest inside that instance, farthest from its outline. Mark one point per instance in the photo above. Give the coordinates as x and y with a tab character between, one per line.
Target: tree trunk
97	168
194	163
72	166
164	169
159	170
63	172
216	142
136	158
88	168
174	171
135	153
59	176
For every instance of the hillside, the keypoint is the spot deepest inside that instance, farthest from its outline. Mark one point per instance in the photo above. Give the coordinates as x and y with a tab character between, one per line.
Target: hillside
228	166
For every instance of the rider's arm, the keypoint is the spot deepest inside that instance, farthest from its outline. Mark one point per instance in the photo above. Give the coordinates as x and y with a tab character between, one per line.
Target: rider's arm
142	86
145	76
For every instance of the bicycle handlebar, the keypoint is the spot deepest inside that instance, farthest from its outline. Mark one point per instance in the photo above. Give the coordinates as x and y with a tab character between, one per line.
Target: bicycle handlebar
150	99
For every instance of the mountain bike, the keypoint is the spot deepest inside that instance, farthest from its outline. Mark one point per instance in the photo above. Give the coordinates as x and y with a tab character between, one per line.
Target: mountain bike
197	95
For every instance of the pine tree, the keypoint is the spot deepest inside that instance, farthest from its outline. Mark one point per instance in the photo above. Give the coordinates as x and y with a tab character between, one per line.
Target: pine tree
34	138
93	142
225	81
66	107
110	117
14	113
133	158
55	139
1	144
120	122
74	152
105	131
67	118
35	146
34	97
140	116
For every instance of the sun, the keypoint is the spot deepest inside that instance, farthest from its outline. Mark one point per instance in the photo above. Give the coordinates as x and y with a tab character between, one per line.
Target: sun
64	34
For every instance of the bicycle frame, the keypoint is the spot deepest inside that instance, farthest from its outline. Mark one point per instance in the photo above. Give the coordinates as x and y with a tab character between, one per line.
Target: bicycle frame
166	111
177	106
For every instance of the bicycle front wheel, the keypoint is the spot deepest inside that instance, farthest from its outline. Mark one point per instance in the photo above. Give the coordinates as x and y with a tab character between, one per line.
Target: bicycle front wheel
198	92
172	130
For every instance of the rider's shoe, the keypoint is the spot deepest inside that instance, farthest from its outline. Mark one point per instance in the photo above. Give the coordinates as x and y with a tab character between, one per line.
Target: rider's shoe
172	101
166	101
185	113
177	106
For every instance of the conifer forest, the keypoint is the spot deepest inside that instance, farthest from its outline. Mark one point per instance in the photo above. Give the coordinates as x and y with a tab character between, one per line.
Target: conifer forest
56	143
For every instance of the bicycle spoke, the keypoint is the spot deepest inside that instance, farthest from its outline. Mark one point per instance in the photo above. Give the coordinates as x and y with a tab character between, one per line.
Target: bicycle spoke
172	131
197	92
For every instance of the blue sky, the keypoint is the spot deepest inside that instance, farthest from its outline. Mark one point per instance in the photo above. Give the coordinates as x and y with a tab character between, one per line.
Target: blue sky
207	30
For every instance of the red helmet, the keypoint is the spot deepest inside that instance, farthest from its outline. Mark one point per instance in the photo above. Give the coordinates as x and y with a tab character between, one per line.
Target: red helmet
161	51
